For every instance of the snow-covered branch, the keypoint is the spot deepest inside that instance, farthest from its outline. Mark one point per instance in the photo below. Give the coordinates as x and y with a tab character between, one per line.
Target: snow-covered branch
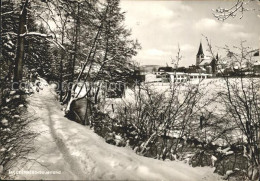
36	34
7	13
224	13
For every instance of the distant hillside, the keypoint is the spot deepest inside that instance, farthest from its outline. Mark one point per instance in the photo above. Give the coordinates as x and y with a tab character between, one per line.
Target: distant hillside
149	68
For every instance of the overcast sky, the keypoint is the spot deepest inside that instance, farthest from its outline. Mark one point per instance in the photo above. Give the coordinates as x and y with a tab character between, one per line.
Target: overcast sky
160	25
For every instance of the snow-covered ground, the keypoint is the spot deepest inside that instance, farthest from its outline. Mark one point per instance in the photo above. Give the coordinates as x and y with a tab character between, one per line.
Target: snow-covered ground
77	153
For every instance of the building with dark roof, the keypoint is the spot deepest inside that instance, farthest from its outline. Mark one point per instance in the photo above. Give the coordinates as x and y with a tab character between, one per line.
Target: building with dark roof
206	64
165	69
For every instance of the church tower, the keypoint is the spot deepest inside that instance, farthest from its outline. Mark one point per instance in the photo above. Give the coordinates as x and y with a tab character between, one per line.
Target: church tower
200	55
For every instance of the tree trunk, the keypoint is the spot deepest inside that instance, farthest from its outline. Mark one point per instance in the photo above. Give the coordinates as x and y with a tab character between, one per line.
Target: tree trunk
76	44
18	70
61	62
74	57
1	33
61	71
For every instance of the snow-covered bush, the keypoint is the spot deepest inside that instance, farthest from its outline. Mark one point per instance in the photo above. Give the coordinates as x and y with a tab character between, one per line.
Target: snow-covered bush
160	122
15	137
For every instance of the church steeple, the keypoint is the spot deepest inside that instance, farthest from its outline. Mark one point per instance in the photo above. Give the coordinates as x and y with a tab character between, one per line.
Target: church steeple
200	52
200	55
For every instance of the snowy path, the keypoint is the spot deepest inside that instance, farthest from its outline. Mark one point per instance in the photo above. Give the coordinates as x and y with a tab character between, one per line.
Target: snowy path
80	154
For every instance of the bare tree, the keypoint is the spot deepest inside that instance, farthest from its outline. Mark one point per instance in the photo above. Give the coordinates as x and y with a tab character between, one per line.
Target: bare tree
240	96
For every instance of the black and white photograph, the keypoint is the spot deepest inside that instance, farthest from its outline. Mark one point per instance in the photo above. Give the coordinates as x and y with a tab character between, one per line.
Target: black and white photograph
140	90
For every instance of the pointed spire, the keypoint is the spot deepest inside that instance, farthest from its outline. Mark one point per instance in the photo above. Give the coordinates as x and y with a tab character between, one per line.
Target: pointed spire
200	52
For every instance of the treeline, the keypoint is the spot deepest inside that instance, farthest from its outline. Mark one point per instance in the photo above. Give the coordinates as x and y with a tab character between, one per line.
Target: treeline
65	40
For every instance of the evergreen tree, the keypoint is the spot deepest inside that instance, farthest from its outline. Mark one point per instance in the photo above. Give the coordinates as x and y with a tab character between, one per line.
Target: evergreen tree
38	55
8	39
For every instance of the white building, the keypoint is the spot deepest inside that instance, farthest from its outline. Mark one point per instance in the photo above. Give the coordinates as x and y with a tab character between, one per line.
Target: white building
183	77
